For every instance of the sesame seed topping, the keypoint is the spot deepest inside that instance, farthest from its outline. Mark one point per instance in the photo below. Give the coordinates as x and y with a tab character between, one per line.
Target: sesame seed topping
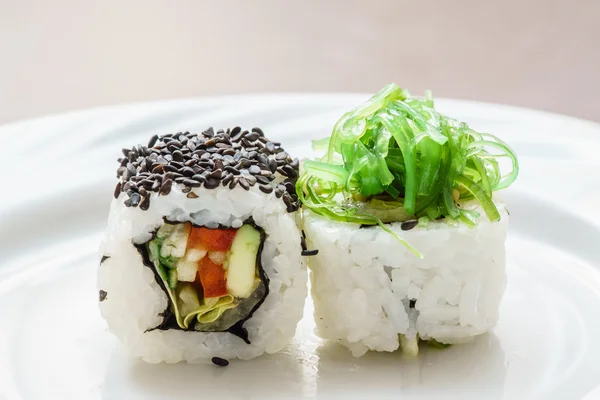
206	160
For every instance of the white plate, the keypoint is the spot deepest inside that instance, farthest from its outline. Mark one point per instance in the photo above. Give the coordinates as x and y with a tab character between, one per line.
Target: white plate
57	182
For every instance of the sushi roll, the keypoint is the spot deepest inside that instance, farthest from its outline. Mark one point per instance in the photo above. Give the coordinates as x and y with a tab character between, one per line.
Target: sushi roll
202	256
409	231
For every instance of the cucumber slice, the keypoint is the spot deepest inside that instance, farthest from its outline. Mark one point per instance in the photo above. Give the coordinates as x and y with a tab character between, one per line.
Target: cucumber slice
169	262
241	269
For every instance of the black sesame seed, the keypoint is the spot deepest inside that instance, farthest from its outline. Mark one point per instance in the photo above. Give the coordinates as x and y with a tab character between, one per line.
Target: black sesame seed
282	171
186	189
210	132
281	156
244	163
290	172
233	170
199	178
191	182
251	179
177	164
244	183
117	190
168	168
187	171
171	175
408	225
262	179
102	295
272	166
145	204
238	136
135	199
152	141
254	169
235	131
278	192
216	174
303	242
228	178
307	253
412	303
289	186
177	155
211	183
131	169
263	160
221	362
258	130
265	188
166	187
233	183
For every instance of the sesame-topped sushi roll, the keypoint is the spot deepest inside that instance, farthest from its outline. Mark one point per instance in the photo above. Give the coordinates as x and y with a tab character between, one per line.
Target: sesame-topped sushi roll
202	256
410	234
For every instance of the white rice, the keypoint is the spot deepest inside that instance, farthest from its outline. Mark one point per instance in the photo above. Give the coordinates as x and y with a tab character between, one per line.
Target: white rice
362	281
134	300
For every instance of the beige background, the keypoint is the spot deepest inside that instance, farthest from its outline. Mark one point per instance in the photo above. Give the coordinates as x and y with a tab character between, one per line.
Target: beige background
66	54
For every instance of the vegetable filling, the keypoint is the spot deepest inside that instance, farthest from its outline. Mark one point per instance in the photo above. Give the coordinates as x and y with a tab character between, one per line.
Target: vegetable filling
213	277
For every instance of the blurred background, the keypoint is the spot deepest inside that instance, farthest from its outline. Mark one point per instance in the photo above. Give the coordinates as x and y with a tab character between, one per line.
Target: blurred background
68	54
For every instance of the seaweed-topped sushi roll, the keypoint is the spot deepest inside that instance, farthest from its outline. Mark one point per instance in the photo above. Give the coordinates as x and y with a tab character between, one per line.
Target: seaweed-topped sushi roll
410	233
202	256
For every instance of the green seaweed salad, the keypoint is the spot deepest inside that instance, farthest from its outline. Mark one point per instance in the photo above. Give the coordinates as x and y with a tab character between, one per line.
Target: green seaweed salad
395	158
